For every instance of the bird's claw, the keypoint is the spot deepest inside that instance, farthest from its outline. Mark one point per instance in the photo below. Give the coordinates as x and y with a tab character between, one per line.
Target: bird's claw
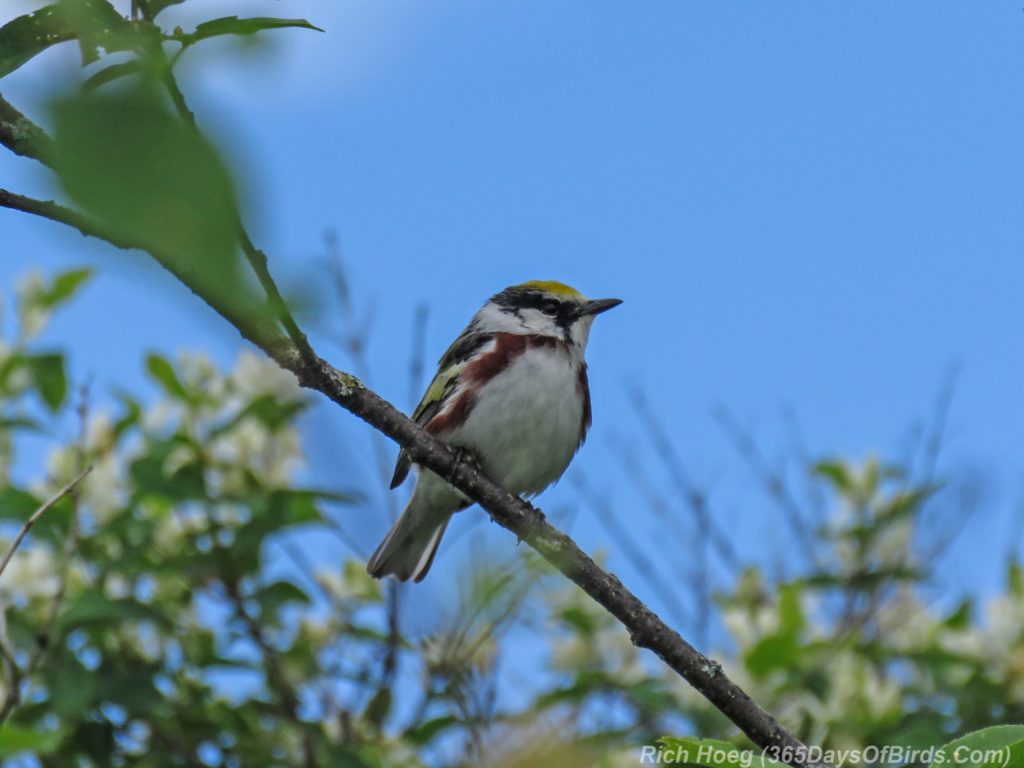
462	456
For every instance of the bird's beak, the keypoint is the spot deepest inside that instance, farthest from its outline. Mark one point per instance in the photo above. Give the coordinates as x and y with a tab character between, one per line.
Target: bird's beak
597	306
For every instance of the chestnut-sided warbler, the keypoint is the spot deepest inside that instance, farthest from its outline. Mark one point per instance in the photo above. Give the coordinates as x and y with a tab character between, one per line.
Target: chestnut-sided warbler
512	393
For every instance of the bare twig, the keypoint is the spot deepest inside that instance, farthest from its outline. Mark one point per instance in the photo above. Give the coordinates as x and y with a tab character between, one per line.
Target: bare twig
70	542
773	483
692	541
39	513
694	497
643	562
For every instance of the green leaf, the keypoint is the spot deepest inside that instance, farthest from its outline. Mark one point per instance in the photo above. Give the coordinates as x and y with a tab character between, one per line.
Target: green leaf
267	409
273	596
999	747
791	615
112	73
1015	578
98	26
50	379
95	608
903	505
579	619
64	287
232	25
150	477
152	181
961	617
272	512
71	686
837	473
17	504
31	34
20	423
378	707
14	740
771	653
425	732
161	369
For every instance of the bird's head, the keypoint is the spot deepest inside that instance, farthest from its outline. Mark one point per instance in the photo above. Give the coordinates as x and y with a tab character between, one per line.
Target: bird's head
545	308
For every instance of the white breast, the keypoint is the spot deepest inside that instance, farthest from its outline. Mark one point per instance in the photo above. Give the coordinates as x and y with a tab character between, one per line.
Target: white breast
525	424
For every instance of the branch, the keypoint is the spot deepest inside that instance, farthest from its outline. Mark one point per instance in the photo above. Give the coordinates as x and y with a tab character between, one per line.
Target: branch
13	674
264	335
646	628
21	135
39	513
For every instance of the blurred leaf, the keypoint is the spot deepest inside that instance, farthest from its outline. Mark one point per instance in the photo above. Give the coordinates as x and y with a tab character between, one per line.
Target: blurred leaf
903	505
151	477
70	685
31	34
64	287
128	682
269	410
425	732
772	653
587	681
359	584
14	740
378	707
580	619
1001	746
20	423
791	615
273	512
17	504
837	473
50	379
161	369
1015	578
95	608
112	73
273	596
232	25
98	26
152	180
961	617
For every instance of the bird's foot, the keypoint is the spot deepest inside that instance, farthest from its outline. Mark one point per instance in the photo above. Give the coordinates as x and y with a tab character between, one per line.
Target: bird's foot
462	456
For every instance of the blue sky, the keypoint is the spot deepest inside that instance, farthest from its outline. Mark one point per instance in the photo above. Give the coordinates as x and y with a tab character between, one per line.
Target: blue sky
805	205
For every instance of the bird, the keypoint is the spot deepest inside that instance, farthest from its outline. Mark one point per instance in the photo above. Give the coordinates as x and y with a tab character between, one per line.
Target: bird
511	394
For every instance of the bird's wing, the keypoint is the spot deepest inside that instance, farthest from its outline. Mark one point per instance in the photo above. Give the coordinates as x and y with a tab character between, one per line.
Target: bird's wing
444	384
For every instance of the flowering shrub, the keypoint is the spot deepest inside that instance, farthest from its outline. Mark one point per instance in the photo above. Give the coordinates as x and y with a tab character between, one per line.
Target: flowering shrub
145	622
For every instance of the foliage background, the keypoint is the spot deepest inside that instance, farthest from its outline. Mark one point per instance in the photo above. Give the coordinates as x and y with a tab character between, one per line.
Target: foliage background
759	168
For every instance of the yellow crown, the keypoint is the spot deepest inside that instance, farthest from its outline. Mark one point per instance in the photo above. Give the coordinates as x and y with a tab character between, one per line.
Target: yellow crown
550	286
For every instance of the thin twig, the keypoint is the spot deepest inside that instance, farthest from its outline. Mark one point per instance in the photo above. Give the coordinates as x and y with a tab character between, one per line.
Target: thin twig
643	562
773	483
39	513
70	542
694	497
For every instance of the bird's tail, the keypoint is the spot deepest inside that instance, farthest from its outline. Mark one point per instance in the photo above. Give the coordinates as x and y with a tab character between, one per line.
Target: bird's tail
409	548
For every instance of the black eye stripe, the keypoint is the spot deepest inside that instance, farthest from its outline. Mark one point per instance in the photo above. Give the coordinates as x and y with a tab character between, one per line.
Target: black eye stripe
563	312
